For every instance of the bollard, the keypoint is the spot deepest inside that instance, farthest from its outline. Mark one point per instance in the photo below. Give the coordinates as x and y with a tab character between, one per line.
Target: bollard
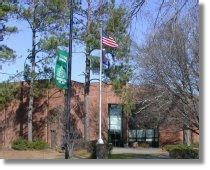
101	151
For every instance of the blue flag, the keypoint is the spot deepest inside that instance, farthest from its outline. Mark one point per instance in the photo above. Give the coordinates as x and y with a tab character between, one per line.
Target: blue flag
105	60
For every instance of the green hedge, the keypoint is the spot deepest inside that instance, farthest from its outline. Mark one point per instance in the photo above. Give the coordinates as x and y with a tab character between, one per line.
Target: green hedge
22	144
182	152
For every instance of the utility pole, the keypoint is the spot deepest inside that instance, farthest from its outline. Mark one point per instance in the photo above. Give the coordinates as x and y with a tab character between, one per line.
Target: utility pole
68	91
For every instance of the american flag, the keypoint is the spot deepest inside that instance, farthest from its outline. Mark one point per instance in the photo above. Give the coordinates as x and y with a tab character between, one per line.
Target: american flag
108	41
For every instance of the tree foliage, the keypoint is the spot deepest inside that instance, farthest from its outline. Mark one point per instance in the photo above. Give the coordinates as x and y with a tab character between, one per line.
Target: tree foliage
114	22
8	92
6	53
46	19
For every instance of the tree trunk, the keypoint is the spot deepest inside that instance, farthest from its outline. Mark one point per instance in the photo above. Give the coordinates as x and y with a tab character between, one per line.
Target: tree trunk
5	125
126	131
86	118
187	137
186	129
31	93
46	116
87	77
21	104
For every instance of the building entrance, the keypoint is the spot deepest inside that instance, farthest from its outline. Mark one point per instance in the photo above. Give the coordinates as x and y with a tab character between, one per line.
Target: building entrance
115	124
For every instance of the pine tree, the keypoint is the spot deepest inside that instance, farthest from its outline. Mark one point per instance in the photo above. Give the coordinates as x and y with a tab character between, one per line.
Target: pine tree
114	22
43	18
6	53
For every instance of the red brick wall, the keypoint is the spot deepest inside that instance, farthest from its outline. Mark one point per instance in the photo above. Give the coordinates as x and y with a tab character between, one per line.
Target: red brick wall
170	136
16	116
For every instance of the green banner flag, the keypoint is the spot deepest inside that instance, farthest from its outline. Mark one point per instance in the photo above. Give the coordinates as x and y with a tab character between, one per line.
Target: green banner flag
61	69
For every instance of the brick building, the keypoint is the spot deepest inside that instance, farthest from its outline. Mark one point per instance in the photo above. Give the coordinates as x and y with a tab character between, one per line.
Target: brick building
48	111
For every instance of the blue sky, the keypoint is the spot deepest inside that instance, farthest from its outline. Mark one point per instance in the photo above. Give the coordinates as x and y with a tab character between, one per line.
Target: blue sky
21	43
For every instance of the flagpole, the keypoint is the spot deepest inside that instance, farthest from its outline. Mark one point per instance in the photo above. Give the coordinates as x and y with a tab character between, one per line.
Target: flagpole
100	141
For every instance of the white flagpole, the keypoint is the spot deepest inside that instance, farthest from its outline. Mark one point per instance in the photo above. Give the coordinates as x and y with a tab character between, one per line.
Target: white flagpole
100	141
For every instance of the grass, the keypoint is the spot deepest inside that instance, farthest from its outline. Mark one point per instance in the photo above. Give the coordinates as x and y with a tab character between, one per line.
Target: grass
30	154
134	156
82	153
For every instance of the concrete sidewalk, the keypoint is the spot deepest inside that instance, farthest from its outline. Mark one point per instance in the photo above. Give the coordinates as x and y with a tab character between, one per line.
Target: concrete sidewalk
144	153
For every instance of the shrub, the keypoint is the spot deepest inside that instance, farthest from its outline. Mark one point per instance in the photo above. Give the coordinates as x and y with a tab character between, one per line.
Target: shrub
39	144
22	144
182	152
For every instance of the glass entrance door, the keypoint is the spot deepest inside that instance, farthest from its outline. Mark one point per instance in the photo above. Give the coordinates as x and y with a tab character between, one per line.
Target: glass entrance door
115	124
